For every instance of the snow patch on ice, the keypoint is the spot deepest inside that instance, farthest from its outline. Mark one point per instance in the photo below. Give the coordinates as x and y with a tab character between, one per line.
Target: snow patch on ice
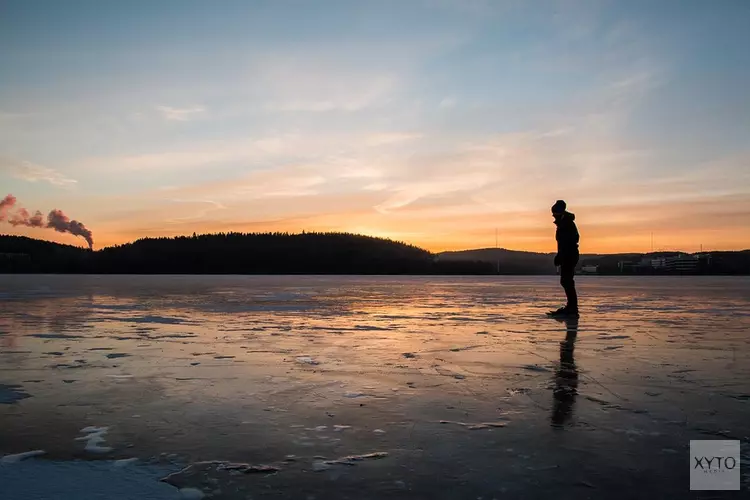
125	461
12	459
307	360
94	438
476	427
350	460
320	465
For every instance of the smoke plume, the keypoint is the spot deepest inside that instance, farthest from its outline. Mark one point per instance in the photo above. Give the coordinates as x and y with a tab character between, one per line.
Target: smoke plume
5	205
56	220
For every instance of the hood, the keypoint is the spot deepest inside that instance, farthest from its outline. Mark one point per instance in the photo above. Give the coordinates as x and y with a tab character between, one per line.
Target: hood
568	216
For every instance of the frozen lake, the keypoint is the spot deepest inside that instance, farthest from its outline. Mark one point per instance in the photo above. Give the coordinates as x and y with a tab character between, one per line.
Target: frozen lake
440	387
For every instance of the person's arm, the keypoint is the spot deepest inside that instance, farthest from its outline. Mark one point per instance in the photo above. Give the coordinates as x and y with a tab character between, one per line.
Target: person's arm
567	244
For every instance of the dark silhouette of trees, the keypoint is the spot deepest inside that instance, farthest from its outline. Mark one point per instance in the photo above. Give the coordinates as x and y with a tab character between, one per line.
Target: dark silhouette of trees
304	253
233	253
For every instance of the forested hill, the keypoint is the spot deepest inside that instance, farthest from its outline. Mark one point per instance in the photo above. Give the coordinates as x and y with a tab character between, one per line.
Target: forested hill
233	253
306	253
265	253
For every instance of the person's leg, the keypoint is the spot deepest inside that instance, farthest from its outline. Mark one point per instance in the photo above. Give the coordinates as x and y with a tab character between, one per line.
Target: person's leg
567	271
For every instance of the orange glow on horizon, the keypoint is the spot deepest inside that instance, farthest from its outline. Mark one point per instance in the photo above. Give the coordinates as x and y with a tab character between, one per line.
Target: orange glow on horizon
718	223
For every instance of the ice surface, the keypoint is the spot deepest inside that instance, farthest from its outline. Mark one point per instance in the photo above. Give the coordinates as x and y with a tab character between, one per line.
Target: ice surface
474	427
353	459
125	461
77	480
535	368
56	336
247	468
10	394
191	494
324	366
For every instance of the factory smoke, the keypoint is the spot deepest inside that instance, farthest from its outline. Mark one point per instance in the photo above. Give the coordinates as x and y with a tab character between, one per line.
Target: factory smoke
56	220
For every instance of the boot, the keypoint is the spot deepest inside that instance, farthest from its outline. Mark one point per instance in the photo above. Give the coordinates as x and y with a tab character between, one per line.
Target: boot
565	311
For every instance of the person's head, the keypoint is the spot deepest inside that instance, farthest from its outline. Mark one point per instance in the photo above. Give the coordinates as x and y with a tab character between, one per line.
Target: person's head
558	209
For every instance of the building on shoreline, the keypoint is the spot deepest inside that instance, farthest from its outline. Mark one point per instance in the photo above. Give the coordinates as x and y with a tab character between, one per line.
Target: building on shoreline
678	263
590	269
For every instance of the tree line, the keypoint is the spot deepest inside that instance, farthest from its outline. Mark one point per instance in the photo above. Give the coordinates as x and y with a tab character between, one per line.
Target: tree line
233	253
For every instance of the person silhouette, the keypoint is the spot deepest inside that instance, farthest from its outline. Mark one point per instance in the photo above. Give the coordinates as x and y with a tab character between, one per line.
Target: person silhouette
567	256
565	380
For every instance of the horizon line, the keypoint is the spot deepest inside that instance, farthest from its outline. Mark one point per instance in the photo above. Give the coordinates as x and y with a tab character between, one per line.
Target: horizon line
368	236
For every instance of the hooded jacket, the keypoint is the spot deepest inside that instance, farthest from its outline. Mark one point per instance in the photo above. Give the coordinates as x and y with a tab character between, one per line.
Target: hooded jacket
567	239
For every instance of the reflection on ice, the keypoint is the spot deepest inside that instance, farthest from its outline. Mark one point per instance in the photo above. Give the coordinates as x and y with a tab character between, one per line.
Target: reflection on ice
566	377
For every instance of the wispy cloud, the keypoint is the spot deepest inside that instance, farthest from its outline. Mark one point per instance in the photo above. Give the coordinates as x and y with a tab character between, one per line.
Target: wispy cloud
298	85
201	154
407	193
180	114
31	172
203	208
333	150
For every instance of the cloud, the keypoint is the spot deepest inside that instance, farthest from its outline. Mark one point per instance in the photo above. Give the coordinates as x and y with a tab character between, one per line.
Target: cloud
180	114
313	85
198	155
338	151
31	172
407	193
286	182
202	212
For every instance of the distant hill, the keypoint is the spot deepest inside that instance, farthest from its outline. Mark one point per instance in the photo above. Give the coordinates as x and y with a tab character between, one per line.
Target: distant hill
505	261
306	253
267	253
519	262
232	253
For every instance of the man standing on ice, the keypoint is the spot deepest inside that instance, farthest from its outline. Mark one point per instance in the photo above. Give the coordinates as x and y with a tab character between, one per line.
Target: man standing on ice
567	256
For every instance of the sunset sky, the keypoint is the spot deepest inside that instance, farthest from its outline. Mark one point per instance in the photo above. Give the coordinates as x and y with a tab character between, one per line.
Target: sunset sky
435	122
